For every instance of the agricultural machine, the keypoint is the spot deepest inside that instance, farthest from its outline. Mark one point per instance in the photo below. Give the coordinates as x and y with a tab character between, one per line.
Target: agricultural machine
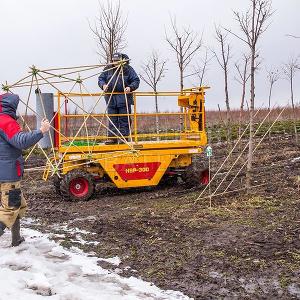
82	159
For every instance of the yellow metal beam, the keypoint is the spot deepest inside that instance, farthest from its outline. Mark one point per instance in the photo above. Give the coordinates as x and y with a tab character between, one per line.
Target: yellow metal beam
151	145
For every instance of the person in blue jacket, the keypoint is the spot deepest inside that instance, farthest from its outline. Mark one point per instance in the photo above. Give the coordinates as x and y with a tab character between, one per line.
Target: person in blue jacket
110	80
12	141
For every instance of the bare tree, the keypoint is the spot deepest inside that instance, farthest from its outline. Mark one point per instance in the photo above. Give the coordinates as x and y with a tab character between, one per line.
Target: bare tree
293	36
153	72
185	43
223	61
243	77
289	70
200	69
253	24
109	30
273	77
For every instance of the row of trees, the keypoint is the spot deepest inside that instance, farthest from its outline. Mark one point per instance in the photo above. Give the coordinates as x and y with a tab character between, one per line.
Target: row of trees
110	27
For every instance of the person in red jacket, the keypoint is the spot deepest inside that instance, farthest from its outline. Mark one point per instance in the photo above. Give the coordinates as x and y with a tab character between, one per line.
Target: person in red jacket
12	141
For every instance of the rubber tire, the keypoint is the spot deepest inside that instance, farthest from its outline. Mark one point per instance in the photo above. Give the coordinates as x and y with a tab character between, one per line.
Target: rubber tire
65	185
56	184
167	181
193	172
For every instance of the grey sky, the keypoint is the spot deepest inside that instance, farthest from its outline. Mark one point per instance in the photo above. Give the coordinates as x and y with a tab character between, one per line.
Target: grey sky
55	33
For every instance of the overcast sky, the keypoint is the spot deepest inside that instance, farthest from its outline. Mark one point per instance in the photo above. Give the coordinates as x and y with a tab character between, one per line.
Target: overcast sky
55	33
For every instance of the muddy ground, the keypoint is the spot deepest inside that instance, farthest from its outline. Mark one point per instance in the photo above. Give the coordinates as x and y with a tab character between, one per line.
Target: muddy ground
243	247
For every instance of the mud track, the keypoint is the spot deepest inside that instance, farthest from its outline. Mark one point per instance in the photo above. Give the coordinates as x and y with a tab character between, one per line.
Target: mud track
244	247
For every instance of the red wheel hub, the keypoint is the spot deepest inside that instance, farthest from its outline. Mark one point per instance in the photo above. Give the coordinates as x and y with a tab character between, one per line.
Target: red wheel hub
204	177
79	187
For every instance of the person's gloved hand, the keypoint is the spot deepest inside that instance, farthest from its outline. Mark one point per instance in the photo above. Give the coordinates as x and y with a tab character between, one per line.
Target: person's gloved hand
45	125
127	89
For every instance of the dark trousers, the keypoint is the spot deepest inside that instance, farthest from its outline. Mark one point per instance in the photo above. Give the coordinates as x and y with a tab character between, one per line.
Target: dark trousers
120	122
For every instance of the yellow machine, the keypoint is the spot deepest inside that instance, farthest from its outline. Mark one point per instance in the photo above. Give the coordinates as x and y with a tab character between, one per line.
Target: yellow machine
145	159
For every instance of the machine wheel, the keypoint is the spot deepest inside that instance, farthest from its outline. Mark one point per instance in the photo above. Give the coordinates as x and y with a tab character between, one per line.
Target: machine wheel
77	185
168	180
197	174
56	183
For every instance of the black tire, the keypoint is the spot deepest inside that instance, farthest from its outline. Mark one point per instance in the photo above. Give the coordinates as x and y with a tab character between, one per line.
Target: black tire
77	185
196	174
167	181
56	184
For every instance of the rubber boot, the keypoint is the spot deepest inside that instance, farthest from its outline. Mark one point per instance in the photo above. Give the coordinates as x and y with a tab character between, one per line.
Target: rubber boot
16	238
2	228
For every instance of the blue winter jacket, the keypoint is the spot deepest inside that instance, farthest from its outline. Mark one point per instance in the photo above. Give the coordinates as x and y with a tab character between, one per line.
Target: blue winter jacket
13	140
116	85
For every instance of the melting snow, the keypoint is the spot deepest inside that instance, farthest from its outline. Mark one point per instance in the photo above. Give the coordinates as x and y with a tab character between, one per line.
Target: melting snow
295	159
40	267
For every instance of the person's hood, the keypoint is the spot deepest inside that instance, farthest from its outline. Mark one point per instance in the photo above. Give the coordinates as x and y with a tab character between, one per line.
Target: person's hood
9	104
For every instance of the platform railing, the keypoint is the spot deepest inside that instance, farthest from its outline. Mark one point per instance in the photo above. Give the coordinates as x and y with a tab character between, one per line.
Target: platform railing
136	136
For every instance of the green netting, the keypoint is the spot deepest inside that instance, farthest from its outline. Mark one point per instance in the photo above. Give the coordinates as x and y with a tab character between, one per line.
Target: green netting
81	143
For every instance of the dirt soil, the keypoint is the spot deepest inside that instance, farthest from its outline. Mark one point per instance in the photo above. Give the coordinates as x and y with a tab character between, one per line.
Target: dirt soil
246	246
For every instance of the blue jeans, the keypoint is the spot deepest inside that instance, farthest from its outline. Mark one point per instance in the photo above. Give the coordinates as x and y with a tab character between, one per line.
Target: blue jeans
120	122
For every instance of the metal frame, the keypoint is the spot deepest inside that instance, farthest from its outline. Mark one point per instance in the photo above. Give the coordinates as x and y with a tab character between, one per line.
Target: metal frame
140	162
187	133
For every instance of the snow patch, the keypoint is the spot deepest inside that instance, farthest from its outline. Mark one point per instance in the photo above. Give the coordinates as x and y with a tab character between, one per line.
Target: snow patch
40	284
294	290
296	159
112	260
40	267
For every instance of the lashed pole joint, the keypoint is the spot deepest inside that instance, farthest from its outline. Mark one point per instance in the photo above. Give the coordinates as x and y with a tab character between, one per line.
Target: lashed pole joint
5	88
34	71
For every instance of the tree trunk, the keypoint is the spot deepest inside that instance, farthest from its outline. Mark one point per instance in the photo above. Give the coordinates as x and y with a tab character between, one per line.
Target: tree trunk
242	107
294	111
251	122
252	99
156	117
228	119
181	80
269	108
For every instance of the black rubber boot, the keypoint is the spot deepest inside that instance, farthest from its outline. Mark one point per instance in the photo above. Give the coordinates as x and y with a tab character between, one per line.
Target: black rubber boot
16	238
2	228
